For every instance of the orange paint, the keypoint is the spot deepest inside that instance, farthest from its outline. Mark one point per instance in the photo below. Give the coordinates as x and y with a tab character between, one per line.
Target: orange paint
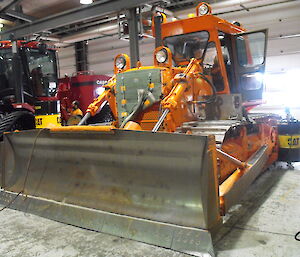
182	90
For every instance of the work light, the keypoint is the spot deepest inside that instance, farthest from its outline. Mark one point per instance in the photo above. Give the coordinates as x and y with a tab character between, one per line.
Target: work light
203	9
120	62
161	56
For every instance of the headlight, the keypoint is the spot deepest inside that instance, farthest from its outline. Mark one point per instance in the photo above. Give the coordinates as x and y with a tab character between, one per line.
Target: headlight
120	62
203	9
161	56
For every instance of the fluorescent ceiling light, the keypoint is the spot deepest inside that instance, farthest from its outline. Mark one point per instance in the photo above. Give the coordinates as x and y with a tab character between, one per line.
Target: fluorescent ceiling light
86	1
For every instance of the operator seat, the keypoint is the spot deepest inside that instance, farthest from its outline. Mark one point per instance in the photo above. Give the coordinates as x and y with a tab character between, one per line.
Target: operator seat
216	74
37	77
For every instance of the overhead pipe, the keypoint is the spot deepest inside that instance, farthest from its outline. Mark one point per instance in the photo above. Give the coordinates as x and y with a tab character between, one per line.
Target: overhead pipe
46	38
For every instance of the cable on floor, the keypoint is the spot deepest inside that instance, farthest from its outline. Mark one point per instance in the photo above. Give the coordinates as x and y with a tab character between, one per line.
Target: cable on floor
27	171
297	236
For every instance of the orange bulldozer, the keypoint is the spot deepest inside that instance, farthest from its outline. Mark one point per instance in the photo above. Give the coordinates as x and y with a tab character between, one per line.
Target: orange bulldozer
178	152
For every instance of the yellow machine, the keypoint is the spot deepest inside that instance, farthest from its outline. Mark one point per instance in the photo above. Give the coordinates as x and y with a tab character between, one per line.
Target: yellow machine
47	121
180	150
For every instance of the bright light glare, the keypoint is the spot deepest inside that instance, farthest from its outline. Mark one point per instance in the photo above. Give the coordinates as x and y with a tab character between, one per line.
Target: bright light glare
99	90
283	89
259	76
86	1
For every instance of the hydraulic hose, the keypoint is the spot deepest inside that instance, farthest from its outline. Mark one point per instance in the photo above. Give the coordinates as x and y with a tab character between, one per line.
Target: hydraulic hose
213	96
210	100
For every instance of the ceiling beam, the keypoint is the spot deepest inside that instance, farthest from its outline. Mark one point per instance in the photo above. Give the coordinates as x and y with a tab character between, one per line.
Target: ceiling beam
10	5
97	9
7	17
20	16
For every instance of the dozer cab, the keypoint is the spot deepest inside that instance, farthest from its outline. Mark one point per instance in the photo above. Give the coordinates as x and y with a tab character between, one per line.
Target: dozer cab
28	83
179	151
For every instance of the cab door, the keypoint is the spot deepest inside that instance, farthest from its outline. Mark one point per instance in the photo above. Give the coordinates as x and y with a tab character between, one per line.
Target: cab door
249	54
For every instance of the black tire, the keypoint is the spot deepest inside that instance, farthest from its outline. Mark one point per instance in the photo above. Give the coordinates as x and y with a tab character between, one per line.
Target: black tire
18	120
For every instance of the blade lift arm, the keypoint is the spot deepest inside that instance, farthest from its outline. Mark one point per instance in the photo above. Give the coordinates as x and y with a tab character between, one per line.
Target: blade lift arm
171	101
107	95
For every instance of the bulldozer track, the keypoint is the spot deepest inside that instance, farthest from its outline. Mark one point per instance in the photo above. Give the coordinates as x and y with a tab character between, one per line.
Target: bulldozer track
20	120
217	128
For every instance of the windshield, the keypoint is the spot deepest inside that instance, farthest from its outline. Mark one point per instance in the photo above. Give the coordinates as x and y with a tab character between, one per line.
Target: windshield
44	61
38	71
187	46
42	69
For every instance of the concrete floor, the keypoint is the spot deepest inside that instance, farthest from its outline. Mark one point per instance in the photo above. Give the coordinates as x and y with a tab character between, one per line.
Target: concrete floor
264	224
267	220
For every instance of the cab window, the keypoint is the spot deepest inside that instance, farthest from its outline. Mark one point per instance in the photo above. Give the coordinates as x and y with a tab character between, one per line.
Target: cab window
187	46
225	46
42	68
251	49
211	65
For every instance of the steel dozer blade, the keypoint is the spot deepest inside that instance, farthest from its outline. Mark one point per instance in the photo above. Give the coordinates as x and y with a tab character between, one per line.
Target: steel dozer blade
157	188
